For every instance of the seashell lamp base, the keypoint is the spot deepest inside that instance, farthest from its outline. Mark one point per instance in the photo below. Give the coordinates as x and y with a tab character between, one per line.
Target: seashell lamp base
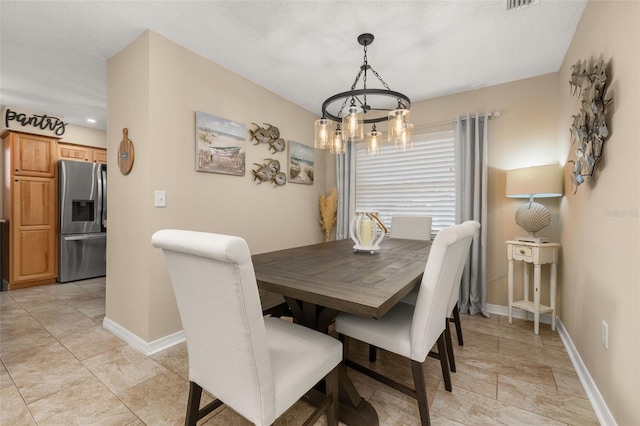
532	217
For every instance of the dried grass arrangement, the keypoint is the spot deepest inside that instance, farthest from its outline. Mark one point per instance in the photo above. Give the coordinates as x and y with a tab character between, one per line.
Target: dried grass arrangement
328	212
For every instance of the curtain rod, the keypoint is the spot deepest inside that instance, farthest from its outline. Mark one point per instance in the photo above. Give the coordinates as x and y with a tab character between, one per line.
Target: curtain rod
439	123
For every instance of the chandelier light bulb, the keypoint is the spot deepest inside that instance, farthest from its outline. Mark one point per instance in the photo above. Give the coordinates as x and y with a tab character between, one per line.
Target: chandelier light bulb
353	125
337	146
373	146
398	124
405	140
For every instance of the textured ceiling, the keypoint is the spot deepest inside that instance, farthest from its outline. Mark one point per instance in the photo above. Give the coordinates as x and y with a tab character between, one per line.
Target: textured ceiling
53	54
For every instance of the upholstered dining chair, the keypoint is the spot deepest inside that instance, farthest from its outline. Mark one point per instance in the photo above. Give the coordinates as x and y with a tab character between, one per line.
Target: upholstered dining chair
454	314
411	331
258	367
411	227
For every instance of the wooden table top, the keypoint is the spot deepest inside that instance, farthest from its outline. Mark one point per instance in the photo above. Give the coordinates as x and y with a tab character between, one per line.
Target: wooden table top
334	276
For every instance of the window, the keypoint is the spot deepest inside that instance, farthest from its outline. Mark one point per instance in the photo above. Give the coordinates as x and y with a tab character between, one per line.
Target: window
417	182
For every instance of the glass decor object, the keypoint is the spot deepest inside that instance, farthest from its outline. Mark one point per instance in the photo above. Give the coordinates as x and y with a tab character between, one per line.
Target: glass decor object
366	230
398	120
534	182
323	133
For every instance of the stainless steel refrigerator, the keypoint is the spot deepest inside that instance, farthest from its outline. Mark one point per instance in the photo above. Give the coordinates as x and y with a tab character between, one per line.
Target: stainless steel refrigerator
83	212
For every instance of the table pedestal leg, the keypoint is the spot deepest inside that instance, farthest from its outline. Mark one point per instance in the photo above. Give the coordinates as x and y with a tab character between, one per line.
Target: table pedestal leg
353	409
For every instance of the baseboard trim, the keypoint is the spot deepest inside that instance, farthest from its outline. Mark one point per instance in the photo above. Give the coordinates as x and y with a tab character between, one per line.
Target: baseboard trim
591	390
139	344
605	417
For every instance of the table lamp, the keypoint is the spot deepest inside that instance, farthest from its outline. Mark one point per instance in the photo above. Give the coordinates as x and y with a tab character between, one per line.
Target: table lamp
534	182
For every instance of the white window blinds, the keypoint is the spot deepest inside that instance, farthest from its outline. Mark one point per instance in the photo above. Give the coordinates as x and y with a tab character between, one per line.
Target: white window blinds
417	182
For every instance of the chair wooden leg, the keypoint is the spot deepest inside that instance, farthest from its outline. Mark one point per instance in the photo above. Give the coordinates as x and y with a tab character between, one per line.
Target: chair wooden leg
447	338
456	320
444	364
193	406
332	385
345	347
373	353
417	370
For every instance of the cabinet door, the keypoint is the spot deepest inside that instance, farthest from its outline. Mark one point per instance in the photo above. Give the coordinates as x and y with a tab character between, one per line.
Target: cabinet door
99	155
34	155
34	231
73	152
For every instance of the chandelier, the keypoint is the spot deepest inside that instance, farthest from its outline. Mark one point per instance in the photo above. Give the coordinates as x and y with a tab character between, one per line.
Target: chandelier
352	109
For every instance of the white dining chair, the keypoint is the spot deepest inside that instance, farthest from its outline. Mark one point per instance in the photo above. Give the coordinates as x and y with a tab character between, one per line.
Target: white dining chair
258	367
411	227
454	314
411	331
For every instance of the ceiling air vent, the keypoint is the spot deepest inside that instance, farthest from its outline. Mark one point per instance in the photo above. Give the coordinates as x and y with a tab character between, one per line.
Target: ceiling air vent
515	4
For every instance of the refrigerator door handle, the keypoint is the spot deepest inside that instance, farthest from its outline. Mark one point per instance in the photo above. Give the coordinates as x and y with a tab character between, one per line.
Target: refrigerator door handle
85	237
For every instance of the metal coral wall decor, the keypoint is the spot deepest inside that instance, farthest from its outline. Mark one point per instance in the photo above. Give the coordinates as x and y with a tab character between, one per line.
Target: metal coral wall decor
268	135
269	172
589	128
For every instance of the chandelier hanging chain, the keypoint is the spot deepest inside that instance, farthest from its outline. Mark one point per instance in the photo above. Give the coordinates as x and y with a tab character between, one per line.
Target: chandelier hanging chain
363	68
362	97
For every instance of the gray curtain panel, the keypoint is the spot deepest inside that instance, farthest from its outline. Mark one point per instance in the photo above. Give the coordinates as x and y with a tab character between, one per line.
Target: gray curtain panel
346	170
471	144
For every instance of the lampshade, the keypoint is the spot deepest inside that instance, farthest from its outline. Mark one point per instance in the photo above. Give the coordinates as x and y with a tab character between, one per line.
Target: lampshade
531	182
536	181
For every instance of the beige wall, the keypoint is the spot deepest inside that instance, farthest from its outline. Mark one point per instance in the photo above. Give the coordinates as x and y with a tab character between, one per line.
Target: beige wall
85	136
525	134
128	286
600	230
155	88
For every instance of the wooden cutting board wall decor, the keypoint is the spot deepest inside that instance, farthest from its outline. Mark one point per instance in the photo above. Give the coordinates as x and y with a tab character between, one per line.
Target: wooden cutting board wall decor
126	153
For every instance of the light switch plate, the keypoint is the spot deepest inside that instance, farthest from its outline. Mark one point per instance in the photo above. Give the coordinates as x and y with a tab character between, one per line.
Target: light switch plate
161	199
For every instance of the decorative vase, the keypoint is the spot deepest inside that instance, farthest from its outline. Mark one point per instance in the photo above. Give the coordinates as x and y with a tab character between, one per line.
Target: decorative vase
366	231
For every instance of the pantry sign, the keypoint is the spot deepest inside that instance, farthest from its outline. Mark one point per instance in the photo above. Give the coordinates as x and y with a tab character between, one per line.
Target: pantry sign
21	120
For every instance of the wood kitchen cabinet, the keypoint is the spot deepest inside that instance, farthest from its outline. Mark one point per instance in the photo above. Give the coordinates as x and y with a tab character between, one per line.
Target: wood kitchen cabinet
68	151
30	207
32	155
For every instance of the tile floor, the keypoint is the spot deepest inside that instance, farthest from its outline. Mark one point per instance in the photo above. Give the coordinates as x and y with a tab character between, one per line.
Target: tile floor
60	367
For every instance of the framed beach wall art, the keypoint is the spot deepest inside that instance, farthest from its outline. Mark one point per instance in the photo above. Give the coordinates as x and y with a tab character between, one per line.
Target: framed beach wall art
220	145
300	163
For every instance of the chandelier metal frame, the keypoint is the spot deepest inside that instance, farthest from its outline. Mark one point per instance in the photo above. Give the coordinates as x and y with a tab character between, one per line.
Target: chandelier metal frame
358	97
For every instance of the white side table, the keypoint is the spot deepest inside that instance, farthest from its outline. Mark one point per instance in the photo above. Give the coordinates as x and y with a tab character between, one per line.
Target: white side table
538	254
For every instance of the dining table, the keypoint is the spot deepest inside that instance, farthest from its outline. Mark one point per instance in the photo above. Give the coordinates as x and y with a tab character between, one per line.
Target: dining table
320	281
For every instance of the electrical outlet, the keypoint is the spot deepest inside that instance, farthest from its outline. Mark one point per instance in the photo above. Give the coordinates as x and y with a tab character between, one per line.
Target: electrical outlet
161	199
605	335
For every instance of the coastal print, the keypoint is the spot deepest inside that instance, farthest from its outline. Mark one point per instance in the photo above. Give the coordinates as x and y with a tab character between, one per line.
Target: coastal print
300	163
220	145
